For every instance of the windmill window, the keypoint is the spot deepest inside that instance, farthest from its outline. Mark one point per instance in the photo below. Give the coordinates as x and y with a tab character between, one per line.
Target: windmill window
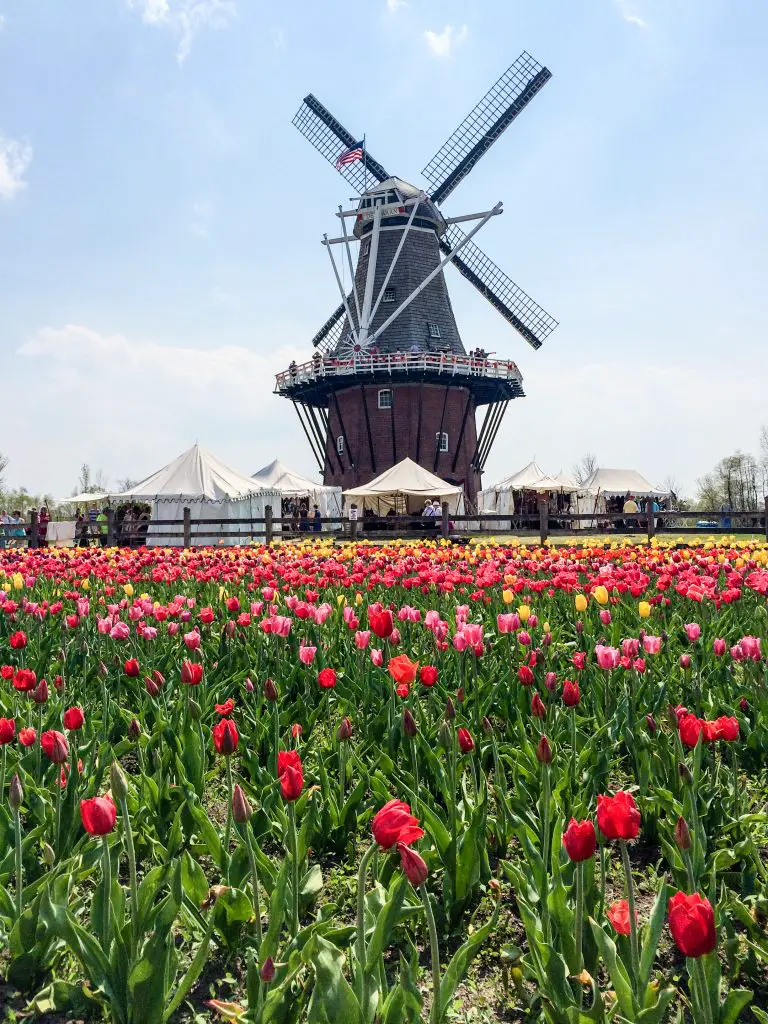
434	330
385	399
442	441
365	248
390	294
340	444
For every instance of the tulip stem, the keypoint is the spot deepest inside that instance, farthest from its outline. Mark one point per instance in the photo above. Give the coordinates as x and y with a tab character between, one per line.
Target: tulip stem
246	831
632	919
228	832
2	772
573	753
436	1012
579	927
362	877
276	726
294	869
39	750
699	981
19	880
106	873
131	854
57	826
545	850
342	773
415	762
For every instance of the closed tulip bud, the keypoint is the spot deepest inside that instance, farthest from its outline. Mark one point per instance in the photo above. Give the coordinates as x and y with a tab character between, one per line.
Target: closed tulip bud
444	737
579	627
494	885
267	971
118	781
103	670
194	710
450	710
550	681
409	724
685	661
682	834
544	751
487	726
605	616
40	693
241	809
537	706
15	793
546	640
650	721
743	705
344	731
270	690
49	856
151	687
134	729
684	773
248	686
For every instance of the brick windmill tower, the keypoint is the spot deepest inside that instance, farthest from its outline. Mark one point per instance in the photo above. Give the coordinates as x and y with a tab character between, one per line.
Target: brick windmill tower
390	376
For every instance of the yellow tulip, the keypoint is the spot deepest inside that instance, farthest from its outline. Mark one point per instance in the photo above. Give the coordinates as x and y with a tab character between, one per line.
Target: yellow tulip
340	599
85	585
524	612
645	609
507	596
18	581
546	628
358	598
581	603
128	589
600	594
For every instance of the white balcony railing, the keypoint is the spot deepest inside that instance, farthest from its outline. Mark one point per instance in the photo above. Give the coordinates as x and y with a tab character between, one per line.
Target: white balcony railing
446	363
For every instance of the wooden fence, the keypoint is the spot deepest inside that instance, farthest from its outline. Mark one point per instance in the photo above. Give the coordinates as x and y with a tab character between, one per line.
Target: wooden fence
543	525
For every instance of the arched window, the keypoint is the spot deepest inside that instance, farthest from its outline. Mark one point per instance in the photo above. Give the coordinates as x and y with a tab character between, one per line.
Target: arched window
442	441
340	444
385	398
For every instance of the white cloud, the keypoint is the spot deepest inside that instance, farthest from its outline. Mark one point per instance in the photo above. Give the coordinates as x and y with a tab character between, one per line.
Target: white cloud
2	22
628	13
393	6
442	44
185	18
15	158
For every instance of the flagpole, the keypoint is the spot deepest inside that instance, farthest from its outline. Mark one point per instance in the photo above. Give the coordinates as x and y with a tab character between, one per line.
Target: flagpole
365	165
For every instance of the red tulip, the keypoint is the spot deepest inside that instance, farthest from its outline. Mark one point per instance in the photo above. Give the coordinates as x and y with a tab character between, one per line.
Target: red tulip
381	623
413	865
579	839
74	719
7	730
525	675
27	737
267	972
727	728
571	694
618	915
290	772
225	736
55	746
692	923
537	706
191	672
241	809
327	678
344	731
18	640
98	815
402	669
40	693
226	708
427	675
618	816
544	751
24	680
718	646
270	690
394	824
131	667
465	740
690	728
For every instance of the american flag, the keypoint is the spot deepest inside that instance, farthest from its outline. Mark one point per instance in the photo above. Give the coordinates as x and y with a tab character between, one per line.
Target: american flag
349	156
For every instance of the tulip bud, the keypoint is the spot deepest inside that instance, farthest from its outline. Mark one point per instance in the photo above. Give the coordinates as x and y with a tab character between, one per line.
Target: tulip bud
40	693
460	695
650	721
743	705
103	670
158	678
550	681
409	724
49	856
118	781
495	887
579	627
15	793
537	706
682	834
270	690
241	809
685	661
544	751
267	971
194	710
248	686
450	710
487	726
344	731
134	729
546	640
684	773
444	736
151	687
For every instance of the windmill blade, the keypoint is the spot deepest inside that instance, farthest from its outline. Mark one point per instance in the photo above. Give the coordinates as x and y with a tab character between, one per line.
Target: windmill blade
330	138
518	308
329	334
483	125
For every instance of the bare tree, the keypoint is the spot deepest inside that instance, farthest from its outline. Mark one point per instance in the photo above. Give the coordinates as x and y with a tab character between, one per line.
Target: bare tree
585	467
3	466
126	483
733	482
90	481
764	459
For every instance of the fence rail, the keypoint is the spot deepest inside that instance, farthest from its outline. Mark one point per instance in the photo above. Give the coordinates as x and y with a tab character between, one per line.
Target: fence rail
544	523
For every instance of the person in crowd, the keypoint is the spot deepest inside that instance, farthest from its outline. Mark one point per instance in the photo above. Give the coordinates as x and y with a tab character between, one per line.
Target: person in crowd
103	527
127	527
42	526
5	523
294	507
81	529
304	519
630	506
427	511
17	532
317	524
142	529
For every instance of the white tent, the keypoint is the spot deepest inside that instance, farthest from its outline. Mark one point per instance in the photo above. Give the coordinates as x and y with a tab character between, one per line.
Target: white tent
210	489
618	482
500	497
292	485
404	488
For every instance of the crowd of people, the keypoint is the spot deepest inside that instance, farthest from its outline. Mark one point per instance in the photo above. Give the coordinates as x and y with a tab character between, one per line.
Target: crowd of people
297	511
131	524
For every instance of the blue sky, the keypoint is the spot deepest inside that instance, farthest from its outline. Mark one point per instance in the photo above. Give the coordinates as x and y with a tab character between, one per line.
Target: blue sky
160	219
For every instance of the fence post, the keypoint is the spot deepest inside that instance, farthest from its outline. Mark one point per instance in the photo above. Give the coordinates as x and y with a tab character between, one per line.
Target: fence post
187	528
444	523
111	539
268	526
651	522
34	537
543	519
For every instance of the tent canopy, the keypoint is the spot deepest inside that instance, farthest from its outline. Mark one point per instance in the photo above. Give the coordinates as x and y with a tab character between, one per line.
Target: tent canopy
406	479
288	482
84	498
618	482
196	475
525	479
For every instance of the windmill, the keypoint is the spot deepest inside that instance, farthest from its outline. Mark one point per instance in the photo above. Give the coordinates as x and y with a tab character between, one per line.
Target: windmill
390	376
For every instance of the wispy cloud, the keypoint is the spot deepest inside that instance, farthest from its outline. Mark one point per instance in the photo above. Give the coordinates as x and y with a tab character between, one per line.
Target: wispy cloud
393	6
15	158
629	13
443	44
2	22
185	18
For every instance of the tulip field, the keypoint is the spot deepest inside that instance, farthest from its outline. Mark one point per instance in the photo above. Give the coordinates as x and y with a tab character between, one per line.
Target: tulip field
416	781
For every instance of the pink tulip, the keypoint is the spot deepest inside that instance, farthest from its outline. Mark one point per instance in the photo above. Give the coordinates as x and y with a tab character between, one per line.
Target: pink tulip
431	618
321	613
257	607
524	638
307	654
750	645
173	628
459	642
718	646
281	625
630	647
607	657
362	639
737	652
148	632
605	616
268	593
472	633
120	631
394	637
192	640
377	656
651	644
505	622
693	631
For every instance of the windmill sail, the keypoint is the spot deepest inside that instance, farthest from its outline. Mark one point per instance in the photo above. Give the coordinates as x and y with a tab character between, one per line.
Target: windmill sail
332	140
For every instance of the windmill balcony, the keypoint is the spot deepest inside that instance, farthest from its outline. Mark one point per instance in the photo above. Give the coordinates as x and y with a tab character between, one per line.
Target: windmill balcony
488	379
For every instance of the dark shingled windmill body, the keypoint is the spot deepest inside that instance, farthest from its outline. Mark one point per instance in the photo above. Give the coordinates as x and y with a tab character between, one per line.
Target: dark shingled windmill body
390	376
